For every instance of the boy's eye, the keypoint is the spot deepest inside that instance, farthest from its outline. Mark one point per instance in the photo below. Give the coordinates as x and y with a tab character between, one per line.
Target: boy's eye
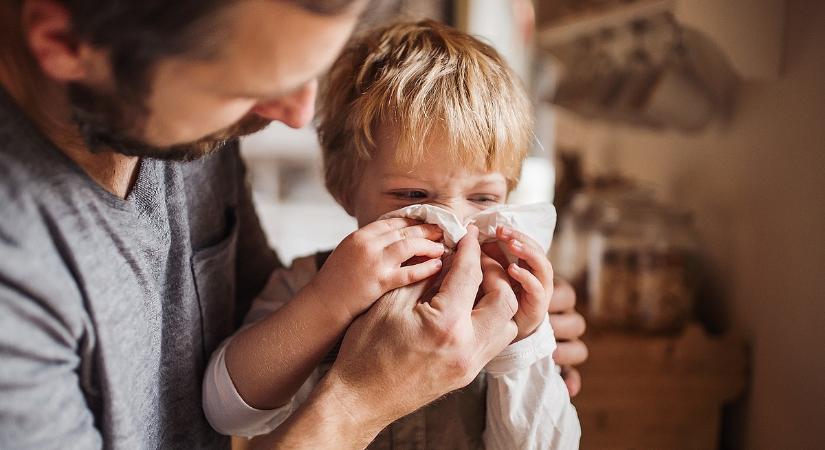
409	195
484	198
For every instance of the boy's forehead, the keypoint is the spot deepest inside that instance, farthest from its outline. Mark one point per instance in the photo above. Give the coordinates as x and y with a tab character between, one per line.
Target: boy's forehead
438	156
434	151
437	152
434	168
435	146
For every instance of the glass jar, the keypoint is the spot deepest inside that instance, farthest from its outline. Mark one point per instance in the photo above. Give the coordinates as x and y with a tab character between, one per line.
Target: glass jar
641	269
667	276
590	211
612	268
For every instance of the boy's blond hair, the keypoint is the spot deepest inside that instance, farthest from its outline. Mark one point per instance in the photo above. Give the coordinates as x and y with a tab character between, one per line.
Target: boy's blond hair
418	79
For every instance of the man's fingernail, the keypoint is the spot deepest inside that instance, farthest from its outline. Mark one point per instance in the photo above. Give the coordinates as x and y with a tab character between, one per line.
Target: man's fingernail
517	245
506	232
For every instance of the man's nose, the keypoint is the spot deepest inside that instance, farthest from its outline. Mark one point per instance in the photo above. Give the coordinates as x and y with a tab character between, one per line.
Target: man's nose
295	109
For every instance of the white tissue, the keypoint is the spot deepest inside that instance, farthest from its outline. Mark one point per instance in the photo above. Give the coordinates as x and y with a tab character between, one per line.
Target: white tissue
536	220
453	229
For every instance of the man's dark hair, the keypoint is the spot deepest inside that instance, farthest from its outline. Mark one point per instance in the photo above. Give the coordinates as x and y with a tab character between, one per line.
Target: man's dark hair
138	33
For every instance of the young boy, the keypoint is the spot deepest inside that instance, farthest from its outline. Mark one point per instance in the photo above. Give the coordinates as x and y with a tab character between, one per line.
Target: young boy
414	113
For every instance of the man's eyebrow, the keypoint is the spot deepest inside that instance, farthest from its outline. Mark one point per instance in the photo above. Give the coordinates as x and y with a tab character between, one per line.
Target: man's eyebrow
270	95
283	91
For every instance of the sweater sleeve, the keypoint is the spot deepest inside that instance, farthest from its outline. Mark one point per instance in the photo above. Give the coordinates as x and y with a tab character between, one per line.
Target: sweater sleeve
43	332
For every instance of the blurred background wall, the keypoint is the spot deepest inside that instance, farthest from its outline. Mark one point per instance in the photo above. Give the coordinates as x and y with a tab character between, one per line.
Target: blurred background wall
757	186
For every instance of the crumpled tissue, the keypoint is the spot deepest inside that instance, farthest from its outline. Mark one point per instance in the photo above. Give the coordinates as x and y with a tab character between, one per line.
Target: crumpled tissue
536	220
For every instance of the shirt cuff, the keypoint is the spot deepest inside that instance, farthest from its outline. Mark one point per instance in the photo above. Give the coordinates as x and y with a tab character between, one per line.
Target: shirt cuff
524	353
227	411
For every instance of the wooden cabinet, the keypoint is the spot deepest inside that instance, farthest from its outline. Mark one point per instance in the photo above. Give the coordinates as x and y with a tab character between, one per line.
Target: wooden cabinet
642	392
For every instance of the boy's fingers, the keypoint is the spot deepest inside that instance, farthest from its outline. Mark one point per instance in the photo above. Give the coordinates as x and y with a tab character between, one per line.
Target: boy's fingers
531	285
534	257
415	231
403	250
532	304
458	292
412	274
509	235
383	226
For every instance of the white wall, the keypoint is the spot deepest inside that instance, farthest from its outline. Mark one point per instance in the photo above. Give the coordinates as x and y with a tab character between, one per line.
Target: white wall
757	185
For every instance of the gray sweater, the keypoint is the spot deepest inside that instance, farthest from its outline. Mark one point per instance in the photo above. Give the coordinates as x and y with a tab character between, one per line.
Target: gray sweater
109	307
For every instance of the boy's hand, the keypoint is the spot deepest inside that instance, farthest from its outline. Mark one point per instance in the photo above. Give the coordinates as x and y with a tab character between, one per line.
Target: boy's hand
568	325
534	275
368	263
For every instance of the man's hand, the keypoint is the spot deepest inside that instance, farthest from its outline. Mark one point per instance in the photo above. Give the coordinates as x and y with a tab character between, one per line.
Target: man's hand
403	353
568	326
368	263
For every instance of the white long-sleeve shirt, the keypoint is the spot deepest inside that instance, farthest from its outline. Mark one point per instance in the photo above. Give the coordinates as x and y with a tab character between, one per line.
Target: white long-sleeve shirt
527	403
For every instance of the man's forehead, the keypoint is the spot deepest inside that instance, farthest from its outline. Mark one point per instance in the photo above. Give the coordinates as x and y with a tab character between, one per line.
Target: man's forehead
272	48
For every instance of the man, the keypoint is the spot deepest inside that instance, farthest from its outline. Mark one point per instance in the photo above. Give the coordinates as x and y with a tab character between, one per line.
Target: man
127	225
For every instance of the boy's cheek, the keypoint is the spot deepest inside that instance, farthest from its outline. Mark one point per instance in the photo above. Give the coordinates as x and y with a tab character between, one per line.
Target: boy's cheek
367	210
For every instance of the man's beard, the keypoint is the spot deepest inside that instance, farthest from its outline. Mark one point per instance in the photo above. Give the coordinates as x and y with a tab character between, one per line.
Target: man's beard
107	124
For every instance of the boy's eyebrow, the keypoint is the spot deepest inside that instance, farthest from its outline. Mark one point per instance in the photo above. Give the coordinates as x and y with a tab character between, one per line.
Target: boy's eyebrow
492	178
489	178
401	175
398	175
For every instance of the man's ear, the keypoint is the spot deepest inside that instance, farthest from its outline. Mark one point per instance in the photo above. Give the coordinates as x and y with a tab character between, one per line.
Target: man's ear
47	27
